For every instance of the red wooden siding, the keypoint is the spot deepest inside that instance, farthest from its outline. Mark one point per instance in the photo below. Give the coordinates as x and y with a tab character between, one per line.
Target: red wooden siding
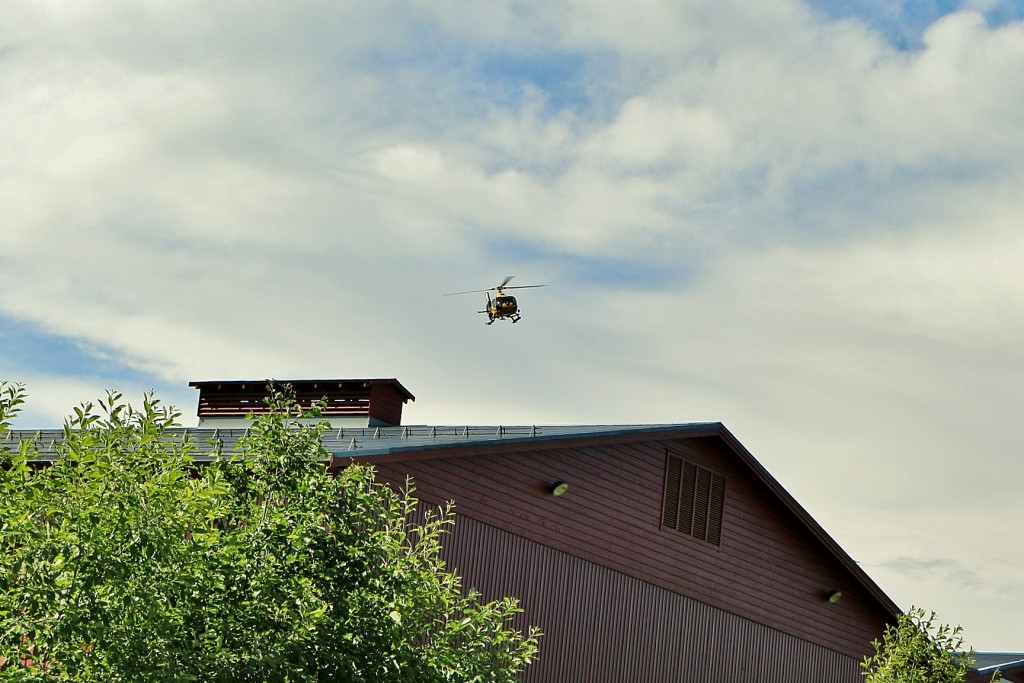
603	626
768	568
386	402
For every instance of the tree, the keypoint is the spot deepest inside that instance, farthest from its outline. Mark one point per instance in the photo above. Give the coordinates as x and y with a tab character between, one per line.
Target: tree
125	560
917	650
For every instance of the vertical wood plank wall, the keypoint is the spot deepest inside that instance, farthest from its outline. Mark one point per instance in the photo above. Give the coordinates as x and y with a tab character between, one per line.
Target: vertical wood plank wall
602	626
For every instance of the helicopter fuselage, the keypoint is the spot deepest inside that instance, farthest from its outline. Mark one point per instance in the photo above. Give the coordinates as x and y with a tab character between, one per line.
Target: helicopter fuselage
501	306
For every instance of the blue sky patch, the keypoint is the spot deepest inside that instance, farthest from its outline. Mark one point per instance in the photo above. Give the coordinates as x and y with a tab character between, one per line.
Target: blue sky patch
27	349
904	22
557	74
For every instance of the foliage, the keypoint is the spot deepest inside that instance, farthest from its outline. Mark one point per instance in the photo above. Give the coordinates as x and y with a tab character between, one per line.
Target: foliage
917	650
126	560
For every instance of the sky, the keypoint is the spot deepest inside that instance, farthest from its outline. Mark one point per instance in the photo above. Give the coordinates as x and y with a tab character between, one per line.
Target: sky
800	219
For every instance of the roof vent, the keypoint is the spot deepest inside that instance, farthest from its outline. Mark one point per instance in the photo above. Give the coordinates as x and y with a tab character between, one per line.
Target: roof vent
350	402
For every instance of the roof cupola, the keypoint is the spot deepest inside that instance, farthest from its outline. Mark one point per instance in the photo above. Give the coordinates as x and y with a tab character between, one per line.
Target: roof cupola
350	402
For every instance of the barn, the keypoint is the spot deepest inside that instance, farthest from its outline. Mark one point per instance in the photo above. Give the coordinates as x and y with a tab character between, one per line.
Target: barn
650	553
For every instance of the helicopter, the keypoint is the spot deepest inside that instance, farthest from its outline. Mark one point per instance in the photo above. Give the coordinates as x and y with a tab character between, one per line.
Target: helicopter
502	305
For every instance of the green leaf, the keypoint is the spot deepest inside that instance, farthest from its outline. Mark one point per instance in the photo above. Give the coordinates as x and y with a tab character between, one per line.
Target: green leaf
130	563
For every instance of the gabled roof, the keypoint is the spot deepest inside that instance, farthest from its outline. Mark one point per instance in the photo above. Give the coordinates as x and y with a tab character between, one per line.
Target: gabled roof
370	444
440	442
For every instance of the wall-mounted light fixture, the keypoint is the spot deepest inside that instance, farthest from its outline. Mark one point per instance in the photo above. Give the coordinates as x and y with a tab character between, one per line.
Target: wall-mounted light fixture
833	596
558	488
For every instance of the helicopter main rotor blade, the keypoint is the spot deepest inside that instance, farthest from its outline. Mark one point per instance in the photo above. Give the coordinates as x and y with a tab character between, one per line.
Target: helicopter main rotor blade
499	288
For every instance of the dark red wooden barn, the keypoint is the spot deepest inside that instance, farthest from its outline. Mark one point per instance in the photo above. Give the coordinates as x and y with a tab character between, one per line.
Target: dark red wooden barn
671	556
650	553
645	553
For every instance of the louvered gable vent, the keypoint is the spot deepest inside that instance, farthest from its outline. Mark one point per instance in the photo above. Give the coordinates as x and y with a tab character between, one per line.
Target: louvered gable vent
694	500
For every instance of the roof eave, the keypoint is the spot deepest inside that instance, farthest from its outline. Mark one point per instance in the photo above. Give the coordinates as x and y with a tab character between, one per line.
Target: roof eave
809	522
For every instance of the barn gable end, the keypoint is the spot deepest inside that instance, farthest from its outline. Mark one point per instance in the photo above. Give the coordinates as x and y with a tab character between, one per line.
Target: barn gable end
756	595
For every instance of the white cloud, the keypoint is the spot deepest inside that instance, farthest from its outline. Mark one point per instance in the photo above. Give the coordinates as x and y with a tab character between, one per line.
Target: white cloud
649	135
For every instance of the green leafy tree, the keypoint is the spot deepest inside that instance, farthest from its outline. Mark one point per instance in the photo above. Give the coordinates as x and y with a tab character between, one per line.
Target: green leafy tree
125	560
918	650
